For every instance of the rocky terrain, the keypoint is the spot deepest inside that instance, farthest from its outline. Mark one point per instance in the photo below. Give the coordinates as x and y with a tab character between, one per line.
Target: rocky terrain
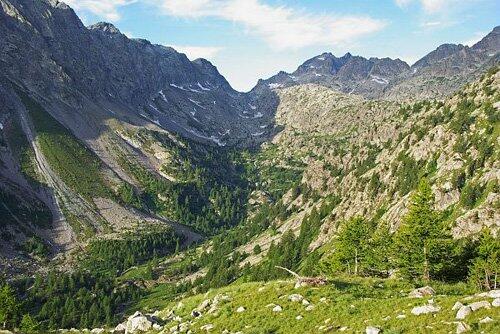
125	161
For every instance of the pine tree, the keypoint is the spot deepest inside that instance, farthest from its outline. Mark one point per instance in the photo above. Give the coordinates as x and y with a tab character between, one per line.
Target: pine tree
9	307
485	269
351	246
421	229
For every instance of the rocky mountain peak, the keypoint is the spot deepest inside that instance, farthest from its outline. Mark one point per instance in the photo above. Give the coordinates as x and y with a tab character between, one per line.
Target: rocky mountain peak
490	42
105	27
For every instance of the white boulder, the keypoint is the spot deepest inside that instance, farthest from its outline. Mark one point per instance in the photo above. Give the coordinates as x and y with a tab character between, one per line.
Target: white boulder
418	310
372	330
479	305
463	312
422	292
138	323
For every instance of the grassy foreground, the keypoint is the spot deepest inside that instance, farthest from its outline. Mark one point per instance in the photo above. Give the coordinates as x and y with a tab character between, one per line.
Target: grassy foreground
348	305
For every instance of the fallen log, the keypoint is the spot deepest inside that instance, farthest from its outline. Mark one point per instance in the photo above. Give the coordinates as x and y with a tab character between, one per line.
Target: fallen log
305	281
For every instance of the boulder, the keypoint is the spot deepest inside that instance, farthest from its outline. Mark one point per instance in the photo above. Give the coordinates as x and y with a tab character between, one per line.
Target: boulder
277	308
490	294
422	292
372	330
203	305
310	308
418	310
240	309
299	317
305	302
457	306
462	327
496	302
207	327
463	312
138	323
479	305
295	297
120	328
485	320
97	331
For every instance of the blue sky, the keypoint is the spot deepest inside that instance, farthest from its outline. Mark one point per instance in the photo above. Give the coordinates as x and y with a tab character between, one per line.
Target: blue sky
252	39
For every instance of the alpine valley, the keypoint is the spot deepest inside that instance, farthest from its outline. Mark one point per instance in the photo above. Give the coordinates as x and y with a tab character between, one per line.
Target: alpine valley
141	193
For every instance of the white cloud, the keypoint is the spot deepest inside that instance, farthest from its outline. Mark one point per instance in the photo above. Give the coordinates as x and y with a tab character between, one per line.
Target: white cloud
195	52
281	27
430	6
431	24
108	9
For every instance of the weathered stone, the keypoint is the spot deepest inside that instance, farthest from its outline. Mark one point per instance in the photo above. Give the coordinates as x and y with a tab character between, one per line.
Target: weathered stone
207	327
496	302
422	292
310	308
138	323
486	320
277	308
479	305
418	310
240	309
372	330
121	328
462	327
457	306
295	297
204	305
463	312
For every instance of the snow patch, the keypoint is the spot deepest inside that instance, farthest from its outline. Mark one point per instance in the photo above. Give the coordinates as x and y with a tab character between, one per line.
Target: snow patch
258	115
263	126
154	108
211	138
179	87
163	97
321	58
252	106
258	134
1	126
197	103
203	87
318	75
156	121
377	79
275	85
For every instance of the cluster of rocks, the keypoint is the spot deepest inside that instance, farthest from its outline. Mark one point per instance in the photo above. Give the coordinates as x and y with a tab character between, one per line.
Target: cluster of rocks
138	323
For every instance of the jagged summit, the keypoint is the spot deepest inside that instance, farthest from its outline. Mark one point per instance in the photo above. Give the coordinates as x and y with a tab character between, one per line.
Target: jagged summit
105	27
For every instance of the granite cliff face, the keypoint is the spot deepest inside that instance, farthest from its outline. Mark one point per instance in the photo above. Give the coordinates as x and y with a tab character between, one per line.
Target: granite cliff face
48	51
